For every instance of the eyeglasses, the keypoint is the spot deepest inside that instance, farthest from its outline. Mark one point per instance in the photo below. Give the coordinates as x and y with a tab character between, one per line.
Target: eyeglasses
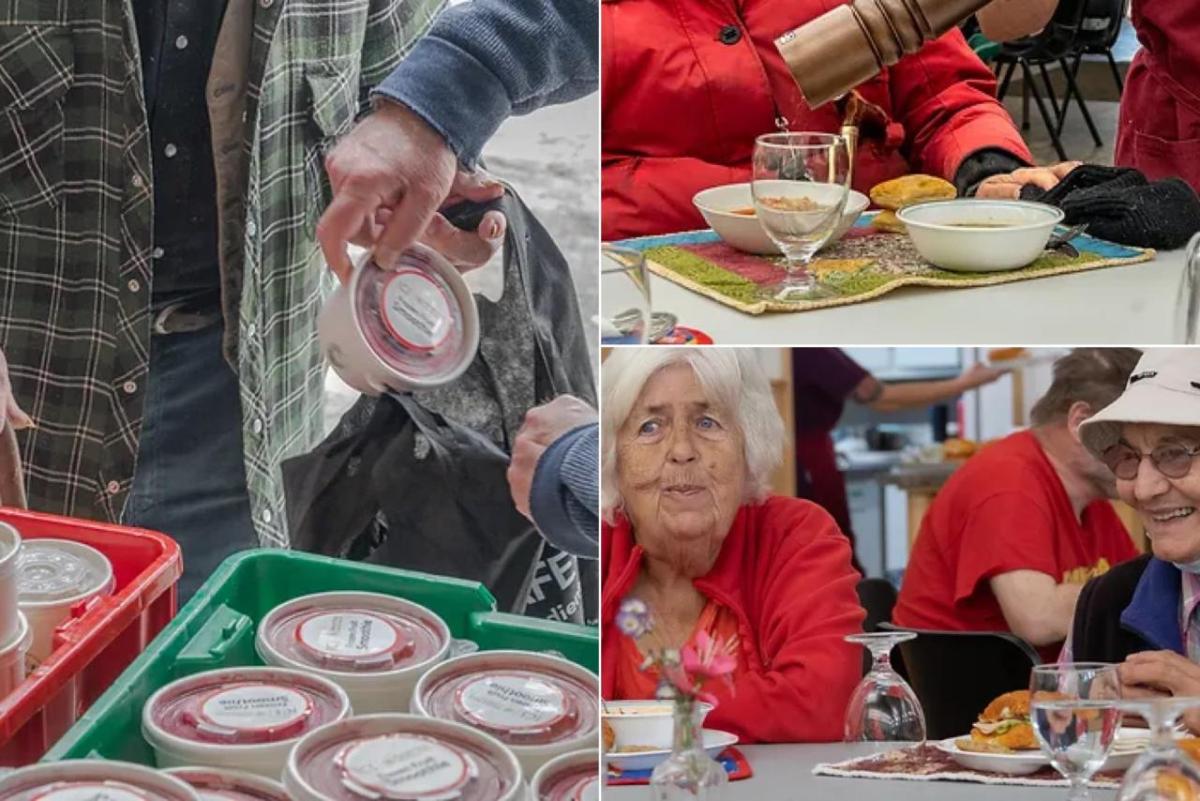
1172	460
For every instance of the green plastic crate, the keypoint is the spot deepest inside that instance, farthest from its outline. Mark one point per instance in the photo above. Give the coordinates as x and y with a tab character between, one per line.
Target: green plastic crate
217	627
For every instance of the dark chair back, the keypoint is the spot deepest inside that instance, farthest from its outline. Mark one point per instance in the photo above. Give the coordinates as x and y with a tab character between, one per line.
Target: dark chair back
1101	23
956	674
1057	39
878	597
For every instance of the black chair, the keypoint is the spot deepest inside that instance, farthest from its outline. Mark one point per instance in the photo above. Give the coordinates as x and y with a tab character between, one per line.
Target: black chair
878	597
1053	45
1098	33
956	674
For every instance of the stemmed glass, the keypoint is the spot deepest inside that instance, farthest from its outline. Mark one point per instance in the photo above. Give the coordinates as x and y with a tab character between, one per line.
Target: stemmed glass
1075	709
624	297
1187	305
1162	772
799	185
883	708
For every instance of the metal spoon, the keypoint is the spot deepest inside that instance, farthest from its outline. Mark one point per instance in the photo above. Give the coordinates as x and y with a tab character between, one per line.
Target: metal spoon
1062	241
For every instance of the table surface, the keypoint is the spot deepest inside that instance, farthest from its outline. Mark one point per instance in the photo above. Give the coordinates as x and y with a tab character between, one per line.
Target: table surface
784	772
1130	305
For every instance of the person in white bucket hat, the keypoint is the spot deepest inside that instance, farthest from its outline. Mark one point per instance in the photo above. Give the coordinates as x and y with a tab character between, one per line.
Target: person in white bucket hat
1145	614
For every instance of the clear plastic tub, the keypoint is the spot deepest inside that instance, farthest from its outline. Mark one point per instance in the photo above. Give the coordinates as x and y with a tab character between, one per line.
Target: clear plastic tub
53	578
93	780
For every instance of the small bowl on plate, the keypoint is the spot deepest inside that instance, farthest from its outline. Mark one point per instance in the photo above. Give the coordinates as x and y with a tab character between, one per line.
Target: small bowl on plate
720	206
980	236
644	724
715	741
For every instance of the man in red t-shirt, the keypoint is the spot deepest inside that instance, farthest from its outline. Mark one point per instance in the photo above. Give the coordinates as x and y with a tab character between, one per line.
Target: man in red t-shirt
1017	530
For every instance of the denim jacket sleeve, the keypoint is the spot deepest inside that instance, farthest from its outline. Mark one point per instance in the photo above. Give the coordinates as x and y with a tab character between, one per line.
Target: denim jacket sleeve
564	498
486	60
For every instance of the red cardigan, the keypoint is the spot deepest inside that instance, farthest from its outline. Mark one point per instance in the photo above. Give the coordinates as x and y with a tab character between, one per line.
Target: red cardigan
681	106
784	571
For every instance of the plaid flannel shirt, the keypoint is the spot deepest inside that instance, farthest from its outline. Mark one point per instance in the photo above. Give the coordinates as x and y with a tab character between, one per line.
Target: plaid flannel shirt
76	228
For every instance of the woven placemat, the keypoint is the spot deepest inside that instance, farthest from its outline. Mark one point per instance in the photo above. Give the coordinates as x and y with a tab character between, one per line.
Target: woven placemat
928	763
866	264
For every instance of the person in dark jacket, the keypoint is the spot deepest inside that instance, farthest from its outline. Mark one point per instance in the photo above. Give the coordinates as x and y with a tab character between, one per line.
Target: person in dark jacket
1145	614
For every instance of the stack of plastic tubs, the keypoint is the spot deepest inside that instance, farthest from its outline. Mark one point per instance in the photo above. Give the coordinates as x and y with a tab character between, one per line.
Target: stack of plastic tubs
95	646
217	630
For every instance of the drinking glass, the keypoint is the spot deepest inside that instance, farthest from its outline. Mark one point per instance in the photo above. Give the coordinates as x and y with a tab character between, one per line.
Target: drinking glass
883	708
624	297
1162	772
1187	305
1074	707
799	184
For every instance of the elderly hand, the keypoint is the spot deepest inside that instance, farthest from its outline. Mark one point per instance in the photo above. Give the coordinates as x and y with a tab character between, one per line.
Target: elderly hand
543	425
1008	186
12	412
390	175
1157	673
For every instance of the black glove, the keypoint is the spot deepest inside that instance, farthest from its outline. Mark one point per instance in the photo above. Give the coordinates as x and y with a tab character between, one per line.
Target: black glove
1120	205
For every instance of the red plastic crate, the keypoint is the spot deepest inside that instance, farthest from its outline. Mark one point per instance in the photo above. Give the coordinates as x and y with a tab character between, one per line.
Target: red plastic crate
102	638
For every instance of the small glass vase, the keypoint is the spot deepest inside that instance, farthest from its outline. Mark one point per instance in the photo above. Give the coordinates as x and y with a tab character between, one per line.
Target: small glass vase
689	773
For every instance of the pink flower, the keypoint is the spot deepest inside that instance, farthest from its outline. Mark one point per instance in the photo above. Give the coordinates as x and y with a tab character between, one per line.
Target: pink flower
707	658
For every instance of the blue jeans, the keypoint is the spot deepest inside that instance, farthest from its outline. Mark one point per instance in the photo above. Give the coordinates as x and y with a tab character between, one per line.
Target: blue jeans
190	480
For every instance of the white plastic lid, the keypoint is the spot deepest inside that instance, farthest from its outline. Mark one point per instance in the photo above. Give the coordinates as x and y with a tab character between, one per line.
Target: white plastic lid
53	571
242	707
404	758
579	783
520	698
410	316
354	633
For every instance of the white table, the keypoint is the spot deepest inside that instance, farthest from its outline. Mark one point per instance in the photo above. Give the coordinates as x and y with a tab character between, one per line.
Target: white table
784	773
1130	305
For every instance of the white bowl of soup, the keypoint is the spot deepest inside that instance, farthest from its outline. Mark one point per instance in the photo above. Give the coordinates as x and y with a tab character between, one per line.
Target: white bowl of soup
729	210
980	236
642	725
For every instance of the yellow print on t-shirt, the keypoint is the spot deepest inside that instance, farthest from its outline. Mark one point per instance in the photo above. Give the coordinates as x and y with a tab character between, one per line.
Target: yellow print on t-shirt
1084	574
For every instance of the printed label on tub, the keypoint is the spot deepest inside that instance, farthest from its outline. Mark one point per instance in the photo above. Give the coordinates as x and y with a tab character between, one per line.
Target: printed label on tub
406	768
255	706
416	310
348	634
92	792
513	703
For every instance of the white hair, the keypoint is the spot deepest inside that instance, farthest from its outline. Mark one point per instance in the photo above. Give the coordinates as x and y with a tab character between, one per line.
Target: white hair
732	378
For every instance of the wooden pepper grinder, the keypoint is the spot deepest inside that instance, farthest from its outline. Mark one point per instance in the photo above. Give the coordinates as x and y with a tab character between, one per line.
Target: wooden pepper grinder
850	44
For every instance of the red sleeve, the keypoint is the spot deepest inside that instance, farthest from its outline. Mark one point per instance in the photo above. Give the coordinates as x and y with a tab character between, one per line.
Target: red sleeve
1006	532
946	99
807	604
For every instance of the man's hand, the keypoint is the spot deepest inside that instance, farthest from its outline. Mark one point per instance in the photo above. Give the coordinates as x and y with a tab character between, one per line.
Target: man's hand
390	175
1007	186
543	425
1158	673
12	412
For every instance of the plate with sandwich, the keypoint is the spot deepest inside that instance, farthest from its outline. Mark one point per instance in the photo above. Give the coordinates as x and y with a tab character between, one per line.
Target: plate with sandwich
1002	740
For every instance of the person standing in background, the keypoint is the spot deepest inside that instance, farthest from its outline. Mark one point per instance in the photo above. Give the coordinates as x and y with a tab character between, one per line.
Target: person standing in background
823	380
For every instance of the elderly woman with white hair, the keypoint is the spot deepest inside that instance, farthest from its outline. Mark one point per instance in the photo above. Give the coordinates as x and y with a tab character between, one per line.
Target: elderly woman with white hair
1145	614
690	438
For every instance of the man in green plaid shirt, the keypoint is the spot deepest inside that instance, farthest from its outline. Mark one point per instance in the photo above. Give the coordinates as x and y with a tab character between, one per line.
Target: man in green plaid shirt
161	175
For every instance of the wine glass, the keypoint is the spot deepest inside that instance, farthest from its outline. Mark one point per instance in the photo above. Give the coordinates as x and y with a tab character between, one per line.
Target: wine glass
1187	305
799	185
883	708
1074	707
624	297
1162	772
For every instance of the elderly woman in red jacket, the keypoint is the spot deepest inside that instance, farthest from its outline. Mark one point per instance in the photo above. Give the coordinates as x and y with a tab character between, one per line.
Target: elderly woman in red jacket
687	86
690	437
